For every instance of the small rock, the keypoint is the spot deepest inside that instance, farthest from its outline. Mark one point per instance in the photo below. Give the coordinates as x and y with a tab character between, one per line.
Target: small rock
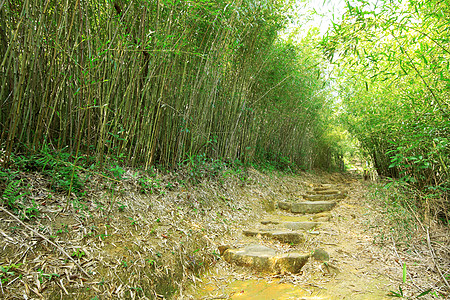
320	254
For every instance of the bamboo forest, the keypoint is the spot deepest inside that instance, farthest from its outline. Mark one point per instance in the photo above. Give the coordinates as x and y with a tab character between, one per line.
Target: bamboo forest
224	149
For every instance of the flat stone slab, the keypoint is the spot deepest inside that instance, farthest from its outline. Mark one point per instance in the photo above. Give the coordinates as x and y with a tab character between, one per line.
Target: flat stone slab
254	232
322	219
324	187
301	225
323	197
289	237
312	207
269	222
291	225
265	259
323	192
328	192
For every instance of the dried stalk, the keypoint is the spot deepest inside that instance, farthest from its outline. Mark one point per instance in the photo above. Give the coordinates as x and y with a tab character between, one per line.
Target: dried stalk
433	256
49	241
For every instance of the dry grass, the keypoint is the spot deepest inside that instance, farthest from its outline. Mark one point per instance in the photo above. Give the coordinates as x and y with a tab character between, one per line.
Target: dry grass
422	243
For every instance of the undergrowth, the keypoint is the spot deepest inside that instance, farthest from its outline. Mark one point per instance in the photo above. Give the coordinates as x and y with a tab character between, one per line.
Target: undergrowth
199	167
396	205
31	180
61	173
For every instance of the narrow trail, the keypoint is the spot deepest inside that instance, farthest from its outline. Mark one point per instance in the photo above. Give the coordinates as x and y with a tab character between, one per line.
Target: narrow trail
315	247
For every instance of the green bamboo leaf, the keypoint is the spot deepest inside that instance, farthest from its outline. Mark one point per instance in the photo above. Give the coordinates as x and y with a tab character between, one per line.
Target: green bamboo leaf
388	185
404	273
424	293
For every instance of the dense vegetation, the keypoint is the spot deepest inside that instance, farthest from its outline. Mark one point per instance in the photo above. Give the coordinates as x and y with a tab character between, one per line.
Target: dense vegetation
105	101
160	82
394	85
185	83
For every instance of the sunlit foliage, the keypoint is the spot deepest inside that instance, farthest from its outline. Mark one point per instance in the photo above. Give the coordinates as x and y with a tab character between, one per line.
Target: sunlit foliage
395	79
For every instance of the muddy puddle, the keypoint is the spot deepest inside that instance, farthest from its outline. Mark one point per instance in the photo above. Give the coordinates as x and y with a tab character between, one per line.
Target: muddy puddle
252	289
346	285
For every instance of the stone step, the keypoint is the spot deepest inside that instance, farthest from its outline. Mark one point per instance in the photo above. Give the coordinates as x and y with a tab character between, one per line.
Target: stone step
307	207
312	207
290	237
300	225
322	217
320	188
327	192
323	187
295	225
324	197
264	259
269	222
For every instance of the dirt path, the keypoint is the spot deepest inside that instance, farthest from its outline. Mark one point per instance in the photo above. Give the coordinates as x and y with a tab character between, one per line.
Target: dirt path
356	269
153	244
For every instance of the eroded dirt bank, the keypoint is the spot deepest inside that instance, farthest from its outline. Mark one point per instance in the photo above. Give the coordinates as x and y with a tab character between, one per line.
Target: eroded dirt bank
157	241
